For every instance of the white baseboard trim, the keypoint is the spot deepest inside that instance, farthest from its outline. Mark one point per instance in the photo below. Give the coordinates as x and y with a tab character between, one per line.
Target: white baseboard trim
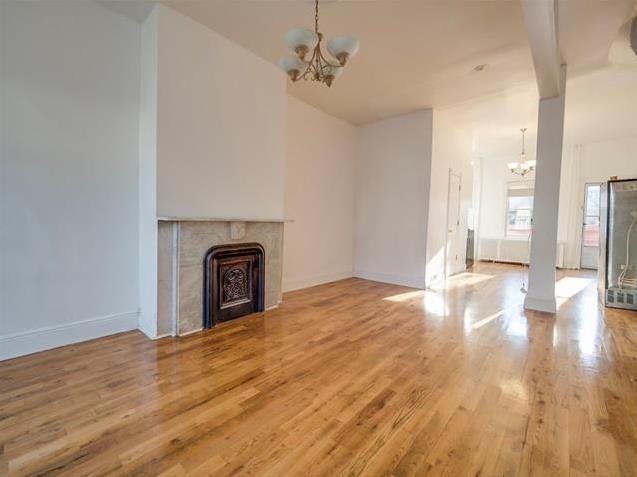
33	341
540	304
393	278
145	322
313	280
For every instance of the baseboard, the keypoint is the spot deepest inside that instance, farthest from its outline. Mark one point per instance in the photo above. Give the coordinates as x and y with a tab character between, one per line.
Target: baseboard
33	341
540	304
145	322
313	280
395	279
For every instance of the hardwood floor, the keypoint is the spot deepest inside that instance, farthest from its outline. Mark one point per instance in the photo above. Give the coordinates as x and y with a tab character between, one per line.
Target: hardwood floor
349	378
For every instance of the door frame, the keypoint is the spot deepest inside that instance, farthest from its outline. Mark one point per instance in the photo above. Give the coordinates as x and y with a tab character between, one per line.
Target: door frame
445	255
583	217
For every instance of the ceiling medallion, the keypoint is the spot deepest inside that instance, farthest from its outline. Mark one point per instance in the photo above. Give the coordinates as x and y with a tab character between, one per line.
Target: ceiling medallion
524	165
305	42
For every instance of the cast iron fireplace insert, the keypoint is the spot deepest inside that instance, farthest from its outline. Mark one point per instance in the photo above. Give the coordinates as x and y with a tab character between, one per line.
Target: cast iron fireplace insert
233	284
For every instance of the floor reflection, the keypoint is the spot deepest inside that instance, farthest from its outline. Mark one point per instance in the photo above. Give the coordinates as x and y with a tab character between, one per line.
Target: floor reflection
567	287
487	320
431	301
462	280
452	301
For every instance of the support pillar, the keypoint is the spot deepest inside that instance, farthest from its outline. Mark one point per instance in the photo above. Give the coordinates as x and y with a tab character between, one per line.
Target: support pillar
550	133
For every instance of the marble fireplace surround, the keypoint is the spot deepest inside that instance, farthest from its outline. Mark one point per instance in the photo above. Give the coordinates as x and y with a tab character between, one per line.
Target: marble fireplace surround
182	244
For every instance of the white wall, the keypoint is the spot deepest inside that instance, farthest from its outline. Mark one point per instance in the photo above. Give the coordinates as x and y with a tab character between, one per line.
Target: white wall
581	163
69	100
221	125
451	151
614	157
320	192
394	165
493	191
592	162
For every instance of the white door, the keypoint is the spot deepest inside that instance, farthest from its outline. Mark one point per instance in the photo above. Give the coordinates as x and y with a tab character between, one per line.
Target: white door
590	227
452	250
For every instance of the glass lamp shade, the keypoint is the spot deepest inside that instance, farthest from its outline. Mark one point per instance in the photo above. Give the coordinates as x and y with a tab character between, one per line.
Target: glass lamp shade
343	48
529	165
301	40
293	66
513	165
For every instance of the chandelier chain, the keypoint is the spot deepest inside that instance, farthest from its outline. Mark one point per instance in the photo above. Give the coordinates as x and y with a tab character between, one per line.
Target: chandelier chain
316	16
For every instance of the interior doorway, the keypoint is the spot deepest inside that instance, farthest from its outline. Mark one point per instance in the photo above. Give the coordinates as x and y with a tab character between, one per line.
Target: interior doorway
453	259
590	226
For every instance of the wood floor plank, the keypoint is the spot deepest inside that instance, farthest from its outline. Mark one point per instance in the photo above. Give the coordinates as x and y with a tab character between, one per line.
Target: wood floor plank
349	378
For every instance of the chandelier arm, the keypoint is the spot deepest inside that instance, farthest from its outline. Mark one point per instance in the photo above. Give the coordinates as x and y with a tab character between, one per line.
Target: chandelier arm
318	65
326	61
310	65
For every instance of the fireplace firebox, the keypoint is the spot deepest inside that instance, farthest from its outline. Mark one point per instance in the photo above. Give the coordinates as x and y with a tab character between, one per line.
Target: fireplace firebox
234	279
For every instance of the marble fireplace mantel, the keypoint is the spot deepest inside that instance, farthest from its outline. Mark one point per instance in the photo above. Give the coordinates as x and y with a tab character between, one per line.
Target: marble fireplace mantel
182	245
221	219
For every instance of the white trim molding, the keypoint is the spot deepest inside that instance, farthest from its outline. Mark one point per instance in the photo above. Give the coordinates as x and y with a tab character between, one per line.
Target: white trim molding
143	321
33	341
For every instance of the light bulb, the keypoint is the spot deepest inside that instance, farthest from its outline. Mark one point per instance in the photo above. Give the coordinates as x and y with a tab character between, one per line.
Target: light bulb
343	48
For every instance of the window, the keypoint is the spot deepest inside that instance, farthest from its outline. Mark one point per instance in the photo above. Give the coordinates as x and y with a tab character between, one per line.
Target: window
519	209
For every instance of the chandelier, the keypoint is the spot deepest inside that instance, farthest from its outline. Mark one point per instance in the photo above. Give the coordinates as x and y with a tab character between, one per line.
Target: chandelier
523	166
305	42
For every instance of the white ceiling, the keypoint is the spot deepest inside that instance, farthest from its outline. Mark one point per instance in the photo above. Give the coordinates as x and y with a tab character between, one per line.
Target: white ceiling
600	105
422	53
414	53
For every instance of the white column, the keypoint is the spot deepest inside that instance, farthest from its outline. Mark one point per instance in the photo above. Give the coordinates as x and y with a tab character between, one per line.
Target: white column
550	132
148	176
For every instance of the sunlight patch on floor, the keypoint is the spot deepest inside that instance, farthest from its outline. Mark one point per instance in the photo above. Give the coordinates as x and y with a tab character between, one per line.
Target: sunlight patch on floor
432	302
487	320
408	296
567	287
461	280
517	326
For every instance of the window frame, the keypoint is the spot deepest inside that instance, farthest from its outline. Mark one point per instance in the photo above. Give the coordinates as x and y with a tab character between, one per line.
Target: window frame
517	185
586	215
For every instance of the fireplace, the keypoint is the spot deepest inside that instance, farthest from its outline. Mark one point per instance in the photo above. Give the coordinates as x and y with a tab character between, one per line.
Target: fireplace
233	284
184	245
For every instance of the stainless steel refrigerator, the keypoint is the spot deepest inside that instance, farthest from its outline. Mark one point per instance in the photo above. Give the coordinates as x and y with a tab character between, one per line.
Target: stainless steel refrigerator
618	244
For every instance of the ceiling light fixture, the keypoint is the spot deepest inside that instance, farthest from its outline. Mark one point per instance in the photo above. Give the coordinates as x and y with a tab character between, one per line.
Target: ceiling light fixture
303	41
523	166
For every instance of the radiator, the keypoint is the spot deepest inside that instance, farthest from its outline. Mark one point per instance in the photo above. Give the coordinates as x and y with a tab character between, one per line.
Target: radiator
513	251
